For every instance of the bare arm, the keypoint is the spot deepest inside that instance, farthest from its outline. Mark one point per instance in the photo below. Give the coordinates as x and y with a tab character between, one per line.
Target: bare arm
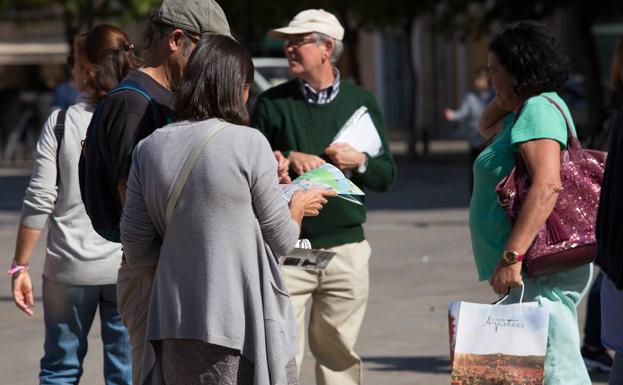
542	159
462	113
39	202
491	119
21	282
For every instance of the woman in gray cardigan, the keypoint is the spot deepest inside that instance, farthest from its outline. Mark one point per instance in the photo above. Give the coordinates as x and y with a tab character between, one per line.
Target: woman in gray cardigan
219	312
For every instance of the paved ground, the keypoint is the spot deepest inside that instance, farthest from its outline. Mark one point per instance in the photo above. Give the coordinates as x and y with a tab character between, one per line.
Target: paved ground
421	261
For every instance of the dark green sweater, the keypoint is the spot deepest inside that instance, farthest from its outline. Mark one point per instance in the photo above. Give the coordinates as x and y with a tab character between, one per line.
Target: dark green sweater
292	124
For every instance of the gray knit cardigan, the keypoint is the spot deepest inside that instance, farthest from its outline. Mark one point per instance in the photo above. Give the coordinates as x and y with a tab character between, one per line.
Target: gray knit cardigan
217	279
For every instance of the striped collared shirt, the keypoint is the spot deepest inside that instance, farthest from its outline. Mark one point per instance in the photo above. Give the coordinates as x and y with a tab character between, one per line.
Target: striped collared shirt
323	96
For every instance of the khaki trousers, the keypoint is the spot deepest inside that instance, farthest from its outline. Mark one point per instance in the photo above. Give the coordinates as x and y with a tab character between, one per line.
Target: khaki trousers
133	294
339	297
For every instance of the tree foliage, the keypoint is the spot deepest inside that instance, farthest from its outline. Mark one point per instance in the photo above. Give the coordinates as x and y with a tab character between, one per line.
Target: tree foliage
250	20
78	15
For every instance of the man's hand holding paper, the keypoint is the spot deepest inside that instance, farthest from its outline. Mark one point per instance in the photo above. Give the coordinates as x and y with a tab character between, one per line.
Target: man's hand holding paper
360	132
344	156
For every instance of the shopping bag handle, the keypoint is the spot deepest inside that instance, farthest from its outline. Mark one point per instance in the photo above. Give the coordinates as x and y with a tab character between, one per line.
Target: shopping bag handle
499	301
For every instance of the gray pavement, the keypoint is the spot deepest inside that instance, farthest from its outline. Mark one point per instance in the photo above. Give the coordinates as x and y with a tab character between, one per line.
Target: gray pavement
421	260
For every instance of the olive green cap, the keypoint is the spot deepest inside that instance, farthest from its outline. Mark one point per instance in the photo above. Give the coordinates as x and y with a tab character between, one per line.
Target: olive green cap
196	16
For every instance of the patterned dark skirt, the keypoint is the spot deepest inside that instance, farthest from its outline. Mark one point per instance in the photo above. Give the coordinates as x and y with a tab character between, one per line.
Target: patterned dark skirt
194	362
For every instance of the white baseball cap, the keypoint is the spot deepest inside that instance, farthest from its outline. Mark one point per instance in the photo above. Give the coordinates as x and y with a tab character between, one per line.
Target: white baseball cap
311	20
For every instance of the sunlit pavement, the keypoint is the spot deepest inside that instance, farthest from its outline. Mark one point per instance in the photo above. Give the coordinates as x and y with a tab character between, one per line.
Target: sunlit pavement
421	260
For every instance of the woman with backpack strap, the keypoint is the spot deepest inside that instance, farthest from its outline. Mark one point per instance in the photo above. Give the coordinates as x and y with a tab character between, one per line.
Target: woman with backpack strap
80	268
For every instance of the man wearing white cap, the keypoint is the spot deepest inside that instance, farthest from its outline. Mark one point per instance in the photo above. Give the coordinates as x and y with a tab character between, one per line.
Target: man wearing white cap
300	118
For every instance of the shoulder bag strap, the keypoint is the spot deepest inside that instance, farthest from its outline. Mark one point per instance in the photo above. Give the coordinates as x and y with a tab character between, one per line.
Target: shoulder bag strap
131	85
126	86
189	164
574	143
59	132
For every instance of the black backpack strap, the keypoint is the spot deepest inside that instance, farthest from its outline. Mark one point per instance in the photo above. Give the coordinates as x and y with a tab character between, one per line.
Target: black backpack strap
99	194
136	87
59	132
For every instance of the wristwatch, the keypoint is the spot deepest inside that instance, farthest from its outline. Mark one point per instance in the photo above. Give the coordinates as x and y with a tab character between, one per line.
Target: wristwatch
511	256
362	167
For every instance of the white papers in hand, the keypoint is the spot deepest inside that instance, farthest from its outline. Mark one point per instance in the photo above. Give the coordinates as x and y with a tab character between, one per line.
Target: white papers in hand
360	132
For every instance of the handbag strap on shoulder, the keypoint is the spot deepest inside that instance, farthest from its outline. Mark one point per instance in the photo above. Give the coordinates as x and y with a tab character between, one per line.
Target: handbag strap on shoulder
189	164
574	143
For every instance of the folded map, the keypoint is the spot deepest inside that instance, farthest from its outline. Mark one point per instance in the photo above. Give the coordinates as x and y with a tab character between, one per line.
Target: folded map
326	176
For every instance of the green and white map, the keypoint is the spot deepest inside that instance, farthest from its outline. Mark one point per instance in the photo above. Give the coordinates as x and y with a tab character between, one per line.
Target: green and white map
328	177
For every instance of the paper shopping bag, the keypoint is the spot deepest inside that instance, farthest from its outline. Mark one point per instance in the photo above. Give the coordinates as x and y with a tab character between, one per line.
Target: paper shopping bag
497	344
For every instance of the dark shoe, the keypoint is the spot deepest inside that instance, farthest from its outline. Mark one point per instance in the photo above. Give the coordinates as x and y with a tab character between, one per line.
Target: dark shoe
597	359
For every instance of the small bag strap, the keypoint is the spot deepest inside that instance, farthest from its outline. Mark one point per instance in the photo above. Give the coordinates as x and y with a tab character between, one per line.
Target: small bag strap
59	132
130	85
573	141
189	164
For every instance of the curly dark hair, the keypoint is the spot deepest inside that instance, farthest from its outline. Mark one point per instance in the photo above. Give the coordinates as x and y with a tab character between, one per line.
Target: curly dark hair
530	51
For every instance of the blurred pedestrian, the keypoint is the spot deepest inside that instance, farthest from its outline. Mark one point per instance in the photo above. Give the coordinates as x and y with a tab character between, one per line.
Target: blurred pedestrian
616	75
610	234
595	355
218	313
469	112
65	93
129	115
300	118
602	138
80	268
526	66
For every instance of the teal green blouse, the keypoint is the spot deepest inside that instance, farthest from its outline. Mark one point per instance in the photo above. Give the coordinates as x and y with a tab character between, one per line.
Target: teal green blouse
489	224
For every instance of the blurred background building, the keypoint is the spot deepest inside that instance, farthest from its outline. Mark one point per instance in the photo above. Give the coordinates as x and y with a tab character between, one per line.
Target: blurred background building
416	57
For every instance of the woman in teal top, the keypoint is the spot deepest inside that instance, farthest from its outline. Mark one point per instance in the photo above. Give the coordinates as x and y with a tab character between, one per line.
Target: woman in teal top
526	65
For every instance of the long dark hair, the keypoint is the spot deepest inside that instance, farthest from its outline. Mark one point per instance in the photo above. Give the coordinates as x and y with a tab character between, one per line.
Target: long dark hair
217	73
106	54
530	51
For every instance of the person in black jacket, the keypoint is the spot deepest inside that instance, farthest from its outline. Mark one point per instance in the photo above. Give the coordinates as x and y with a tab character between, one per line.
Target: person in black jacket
610	234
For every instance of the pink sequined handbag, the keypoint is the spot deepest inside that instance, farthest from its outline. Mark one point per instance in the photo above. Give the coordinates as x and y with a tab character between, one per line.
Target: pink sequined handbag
567	238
